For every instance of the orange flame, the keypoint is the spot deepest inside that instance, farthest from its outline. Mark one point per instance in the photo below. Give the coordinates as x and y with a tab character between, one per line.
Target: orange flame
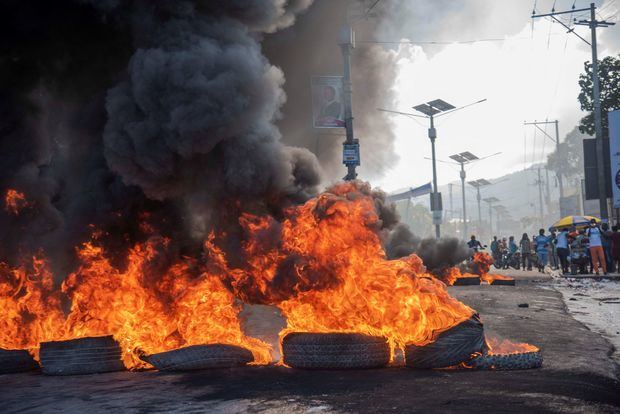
15	202
144	313
504	346
483	262
450	275
328	273
322	264
31	307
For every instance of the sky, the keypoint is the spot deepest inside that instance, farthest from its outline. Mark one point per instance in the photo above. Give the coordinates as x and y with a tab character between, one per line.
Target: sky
531	74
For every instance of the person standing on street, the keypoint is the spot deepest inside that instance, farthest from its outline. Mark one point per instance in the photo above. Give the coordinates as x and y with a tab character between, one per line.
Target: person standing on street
615	246
542	246
606	239
526	251
561	244
597	255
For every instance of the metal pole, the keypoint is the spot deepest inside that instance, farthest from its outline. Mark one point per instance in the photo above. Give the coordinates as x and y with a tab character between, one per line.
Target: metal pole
432	134
451	205
491	218
464	203
407	212
540	200
600	160
479	210
346	46
497	220
559	167
547	192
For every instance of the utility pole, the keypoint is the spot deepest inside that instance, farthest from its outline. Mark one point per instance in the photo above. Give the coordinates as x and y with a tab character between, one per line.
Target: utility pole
490	201
462	174
557	147
559	172
593	24
540	199
351	156
547	190
451	204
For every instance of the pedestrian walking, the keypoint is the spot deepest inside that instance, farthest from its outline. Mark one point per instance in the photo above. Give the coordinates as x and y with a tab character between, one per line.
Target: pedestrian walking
597	254
526	251
542	245
553	256
561	244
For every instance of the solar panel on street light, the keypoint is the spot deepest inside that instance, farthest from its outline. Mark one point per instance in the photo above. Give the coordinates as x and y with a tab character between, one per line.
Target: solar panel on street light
479	183
491	200
458	158
464	157
468	156
426	109
441	105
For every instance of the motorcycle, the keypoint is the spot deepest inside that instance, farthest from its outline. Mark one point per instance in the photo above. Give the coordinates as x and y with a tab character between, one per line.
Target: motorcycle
505	260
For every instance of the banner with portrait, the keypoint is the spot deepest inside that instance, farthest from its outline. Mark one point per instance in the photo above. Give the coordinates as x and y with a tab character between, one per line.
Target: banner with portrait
327	102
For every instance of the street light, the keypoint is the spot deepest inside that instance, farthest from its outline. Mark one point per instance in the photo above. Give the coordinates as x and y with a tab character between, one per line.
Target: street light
490	201
462	159
432	110
500	210
478	184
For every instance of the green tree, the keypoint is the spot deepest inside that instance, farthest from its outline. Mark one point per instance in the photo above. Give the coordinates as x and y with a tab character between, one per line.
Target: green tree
609	78
567	159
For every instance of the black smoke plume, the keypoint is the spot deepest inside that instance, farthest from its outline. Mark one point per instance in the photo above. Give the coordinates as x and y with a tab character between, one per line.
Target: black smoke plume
303	50
121	111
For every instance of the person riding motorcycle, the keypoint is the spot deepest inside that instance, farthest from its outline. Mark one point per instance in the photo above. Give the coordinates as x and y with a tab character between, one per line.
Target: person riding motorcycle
474	244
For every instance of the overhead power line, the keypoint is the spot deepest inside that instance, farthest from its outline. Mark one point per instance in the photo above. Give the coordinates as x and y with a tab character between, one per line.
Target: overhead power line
435	42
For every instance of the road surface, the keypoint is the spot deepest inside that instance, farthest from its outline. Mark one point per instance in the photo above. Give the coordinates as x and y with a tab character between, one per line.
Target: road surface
578	376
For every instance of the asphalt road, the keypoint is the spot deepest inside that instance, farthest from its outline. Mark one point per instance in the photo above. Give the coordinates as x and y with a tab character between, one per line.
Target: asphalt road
578	376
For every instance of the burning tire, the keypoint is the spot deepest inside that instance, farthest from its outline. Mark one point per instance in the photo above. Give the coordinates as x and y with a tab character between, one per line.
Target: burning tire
506	362
466	281
451	347
81	356
13	361
334	351
200	357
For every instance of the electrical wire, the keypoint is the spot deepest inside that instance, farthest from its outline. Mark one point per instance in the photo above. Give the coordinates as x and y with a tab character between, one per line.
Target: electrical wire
372	7
439	42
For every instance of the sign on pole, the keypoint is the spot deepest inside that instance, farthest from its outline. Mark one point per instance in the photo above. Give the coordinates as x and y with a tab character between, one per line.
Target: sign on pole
351	153
327	106
614	154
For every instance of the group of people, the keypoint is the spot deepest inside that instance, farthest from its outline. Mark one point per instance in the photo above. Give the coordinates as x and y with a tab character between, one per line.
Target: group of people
593	249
